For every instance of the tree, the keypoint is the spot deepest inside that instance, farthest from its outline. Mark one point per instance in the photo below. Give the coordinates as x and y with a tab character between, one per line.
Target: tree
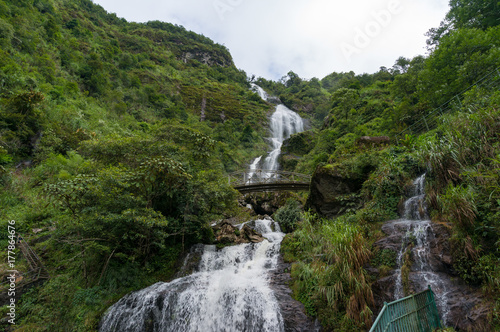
463	57
343	100
401	65
292	79
157	178
20	121
478	14
481	14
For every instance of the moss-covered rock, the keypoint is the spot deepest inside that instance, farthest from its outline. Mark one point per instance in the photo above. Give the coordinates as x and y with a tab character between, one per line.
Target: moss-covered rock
333	193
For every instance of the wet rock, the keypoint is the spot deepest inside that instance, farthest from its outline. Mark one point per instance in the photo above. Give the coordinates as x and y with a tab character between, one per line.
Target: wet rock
191	261
273	100
227	233
383	291
468	311
249	234
440	254
293	311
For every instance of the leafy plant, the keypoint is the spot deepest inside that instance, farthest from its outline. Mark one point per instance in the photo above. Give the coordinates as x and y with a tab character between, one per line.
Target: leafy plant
288	216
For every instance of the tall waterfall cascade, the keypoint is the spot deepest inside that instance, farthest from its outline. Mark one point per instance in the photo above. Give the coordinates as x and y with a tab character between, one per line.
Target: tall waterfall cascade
230	292
284	123
419	232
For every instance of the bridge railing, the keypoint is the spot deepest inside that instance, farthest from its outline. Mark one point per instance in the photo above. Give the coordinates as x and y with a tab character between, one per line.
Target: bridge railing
263	176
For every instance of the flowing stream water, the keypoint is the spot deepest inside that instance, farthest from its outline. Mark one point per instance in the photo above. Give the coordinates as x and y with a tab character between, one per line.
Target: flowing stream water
418	234
284	123
230	292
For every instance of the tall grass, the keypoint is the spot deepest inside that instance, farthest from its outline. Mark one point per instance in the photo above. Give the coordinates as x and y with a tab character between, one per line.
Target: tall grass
329	277
464	183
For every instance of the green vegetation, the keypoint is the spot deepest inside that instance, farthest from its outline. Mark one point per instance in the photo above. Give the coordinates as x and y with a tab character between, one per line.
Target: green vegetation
127	131
288	216
123	133
329	277
439	121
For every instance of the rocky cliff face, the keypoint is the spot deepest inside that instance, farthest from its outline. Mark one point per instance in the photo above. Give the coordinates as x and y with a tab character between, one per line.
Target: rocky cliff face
266	203
332	194
293	311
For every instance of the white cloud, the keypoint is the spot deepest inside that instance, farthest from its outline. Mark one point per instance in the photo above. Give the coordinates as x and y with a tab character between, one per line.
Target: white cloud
270	38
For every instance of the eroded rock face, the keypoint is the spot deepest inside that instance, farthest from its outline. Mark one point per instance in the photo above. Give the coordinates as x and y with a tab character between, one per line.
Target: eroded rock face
293	311
266	203
331	194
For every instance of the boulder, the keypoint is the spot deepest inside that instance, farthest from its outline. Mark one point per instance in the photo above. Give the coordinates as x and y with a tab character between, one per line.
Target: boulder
331	193
226	233
249	234
374	140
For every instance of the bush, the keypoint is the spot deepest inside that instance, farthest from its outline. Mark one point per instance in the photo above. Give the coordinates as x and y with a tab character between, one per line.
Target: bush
288	216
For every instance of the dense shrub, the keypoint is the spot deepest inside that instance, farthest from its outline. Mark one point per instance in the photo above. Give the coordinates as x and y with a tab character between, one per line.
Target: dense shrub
288	216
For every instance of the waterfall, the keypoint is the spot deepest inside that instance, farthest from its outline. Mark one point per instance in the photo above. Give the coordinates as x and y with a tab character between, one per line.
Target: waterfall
253	168
284	123
419	232
263	94
230	292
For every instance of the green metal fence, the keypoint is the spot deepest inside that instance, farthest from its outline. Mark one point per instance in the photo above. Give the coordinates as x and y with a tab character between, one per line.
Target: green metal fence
415	313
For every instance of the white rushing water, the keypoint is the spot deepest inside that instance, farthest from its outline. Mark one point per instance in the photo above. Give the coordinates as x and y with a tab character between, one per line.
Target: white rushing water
284	123
419	231
263	94
229	293
253	168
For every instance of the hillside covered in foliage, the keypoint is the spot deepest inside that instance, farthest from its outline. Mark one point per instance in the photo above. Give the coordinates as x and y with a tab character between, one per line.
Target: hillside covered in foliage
116	139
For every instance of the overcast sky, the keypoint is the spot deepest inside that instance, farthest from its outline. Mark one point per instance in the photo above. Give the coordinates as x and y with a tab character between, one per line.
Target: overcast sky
313	38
